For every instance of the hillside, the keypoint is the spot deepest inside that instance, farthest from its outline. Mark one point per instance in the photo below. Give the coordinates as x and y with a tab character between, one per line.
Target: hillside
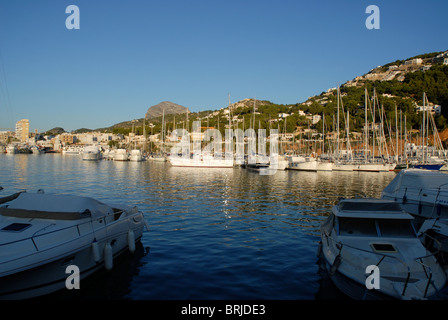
400	83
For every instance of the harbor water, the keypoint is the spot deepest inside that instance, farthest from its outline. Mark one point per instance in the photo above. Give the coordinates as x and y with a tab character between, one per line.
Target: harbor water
214	233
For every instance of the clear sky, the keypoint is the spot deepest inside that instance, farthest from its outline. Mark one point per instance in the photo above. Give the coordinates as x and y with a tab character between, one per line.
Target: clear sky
130	55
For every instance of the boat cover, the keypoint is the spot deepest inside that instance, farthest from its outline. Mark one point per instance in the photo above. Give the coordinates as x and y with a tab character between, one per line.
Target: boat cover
420	179
51	206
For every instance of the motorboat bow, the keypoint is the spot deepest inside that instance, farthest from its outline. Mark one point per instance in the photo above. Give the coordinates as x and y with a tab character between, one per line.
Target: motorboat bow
374	232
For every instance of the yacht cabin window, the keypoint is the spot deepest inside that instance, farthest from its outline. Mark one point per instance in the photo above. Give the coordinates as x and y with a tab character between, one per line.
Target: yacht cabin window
375	227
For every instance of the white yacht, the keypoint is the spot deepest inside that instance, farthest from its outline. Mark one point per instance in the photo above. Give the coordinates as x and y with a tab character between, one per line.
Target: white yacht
136	155
72	150
201	161
364	233
158	158
121	155
374	167
11	149
91	153
42	234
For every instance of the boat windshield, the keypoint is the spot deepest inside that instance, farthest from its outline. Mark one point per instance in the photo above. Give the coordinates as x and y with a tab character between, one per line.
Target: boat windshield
357	227
396	228
369	206
376	227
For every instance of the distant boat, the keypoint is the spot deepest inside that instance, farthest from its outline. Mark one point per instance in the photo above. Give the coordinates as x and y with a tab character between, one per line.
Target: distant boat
72	150
302	163
324	165
361	233
374	167
136	155
91	153
201	161
11	149
158	158
343	166
428	166
121	155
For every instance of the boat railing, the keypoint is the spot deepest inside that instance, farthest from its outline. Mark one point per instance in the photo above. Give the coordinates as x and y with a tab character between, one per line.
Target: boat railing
426	268
115	215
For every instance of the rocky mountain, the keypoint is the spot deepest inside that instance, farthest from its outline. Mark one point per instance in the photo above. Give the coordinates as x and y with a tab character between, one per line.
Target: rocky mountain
167	107
54	131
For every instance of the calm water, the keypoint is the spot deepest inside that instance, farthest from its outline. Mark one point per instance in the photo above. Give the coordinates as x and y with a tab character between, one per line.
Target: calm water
214	233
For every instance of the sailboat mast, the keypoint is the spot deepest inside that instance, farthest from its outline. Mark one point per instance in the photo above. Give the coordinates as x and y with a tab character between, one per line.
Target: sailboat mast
366	126
423	129
337	129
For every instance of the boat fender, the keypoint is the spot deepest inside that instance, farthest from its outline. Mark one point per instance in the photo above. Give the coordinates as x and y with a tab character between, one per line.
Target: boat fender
335	266
131	241
319	249
146	224
108	257
96	251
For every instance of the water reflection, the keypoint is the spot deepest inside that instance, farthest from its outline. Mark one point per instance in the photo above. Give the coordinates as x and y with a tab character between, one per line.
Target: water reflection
214	233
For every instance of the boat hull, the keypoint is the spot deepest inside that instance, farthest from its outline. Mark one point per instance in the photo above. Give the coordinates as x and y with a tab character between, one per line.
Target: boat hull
201	163
310	165
39	240
52	276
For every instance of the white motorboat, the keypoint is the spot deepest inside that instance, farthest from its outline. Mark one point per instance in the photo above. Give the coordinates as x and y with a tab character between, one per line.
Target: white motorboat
121	155
91	153
136	155
11	149
42	234
72	150
367	233
420	192
158	158
374	167
324	165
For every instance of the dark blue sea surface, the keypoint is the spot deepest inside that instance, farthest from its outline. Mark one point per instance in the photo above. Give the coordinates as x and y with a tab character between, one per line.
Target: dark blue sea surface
224	234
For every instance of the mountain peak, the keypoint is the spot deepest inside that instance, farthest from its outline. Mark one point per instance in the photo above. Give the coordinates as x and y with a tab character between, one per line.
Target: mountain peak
167	107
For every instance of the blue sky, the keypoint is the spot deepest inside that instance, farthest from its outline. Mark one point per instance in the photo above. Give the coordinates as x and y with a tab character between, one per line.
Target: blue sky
130	55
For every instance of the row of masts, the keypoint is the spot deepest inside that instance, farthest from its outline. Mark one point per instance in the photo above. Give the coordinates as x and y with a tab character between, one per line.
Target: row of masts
373	146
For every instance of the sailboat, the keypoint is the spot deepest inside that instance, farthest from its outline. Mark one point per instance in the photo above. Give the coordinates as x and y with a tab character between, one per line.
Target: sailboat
199	158
343	158
426	161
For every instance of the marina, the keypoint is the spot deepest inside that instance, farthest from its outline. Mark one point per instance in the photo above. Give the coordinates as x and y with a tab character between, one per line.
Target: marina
213	159
214	233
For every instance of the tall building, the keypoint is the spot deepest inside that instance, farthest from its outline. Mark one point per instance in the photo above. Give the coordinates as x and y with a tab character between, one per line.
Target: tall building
23	130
